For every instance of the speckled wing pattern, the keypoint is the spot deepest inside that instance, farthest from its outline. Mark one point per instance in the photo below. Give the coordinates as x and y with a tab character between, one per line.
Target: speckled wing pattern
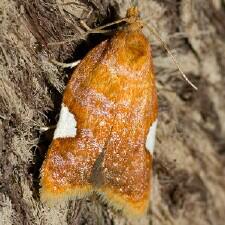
113	98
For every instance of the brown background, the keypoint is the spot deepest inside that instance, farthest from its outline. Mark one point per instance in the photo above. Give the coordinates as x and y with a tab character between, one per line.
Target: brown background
189	165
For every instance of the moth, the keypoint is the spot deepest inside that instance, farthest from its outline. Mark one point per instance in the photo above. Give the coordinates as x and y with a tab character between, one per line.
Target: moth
105	135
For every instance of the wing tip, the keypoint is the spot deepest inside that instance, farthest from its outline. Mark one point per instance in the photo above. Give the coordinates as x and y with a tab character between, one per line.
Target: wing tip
117	201
53	197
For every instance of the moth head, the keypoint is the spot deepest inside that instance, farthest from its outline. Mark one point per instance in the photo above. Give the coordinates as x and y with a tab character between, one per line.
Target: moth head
133	12
133	19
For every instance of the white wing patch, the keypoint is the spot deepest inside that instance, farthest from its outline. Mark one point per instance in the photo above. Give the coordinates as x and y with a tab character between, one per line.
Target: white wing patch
150	142
66	126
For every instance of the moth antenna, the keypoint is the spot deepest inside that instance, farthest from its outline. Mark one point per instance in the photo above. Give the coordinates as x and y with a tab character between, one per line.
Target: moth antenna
157	35
109	25
85	25
89	31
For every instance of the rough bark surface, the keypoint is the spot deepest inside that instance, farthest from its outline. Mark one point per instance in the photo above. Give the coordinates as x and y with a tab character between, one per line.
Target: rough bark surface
189	158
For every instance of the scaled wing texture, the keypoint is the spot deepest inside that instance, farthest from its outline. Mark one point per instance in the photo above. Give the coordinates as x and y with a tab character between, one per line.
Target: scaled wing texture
108	113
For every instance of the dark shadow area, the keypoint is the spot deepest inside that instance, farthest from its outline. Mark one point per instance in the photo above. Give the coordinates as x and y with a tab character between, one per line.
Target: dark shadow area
45	139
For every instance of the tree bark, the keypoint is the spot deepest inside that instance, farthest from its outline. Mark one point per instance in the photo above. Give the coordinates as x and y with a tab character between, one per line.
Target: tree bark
189	158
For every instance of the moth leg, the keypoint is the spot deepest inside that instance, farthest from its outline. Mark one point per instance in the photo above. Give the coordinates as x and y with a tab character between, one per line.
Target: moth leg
65	65
44	129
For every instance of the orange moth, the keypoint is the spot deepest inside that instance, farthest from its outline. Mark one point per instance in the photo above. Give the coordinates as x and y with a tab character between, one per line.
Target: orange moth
105	135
